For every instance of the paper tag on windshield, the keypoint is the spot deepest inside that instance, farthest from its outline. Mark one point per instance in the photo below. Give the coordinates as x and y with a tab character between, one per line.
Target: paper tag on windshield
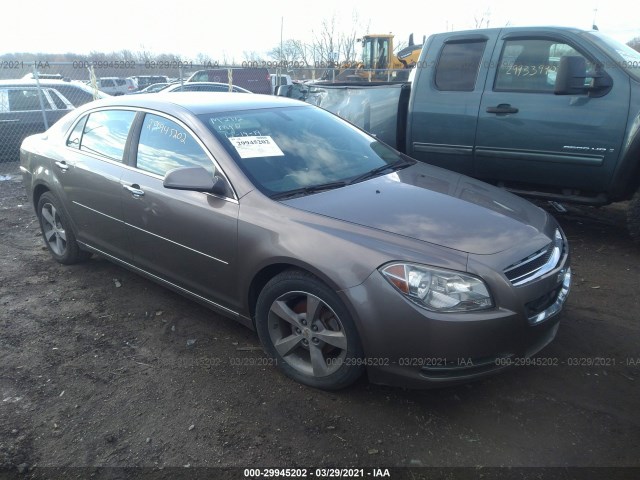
251	147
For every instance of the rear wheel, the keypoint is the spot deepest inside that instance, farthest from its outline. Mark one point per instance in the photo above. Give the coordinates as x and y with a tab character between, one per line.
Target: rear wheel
633	217
57	232
304	325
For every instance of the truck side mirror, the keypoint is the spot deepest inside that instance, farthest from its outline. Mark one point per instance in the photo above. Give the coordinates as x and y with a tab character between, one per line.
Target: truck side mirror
571	76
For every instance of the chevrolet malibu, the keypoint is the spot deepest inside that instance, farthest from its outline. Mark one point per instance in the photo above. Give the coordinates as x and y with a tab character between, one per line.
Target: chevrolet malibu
344	255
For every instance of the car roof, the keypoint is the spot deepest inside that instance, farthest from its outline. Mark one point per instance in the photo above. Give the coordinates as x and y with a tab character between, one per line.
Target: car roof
25	82
49	84
200	102
175	85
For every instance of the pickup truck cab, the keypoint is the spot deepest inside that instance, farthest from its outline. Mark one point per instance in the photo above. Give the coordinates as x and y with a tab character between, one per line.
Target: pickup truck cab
546	112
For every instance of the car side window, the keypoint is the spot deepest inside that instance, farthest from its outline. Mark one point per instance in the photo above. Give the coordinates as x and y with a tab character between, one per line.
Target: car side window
105	133
165	145
458	66
24	100
530	65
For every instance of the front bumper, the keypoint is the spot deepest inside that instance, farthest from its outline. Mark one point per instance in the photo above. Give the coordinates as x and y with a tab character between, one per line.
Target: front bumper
406	345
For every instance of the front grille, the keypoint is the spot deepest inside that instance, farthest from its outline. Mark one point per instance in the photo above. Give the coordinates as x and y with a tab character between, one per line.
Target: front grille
538	263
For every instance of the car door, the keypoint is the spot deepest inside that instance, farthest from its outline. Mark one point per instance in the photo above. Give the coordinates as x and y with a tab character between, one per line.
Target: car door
184	237
527	133
90	174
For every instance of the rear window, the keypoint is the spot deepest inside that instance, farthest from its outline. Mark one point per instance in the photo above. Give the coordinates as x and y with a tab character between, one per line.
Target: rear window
77	96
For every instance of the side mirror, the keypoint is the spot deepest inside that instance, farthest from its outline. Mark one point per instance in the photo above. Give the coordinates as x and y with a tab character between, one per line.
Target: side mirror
283	91
571	76
197	179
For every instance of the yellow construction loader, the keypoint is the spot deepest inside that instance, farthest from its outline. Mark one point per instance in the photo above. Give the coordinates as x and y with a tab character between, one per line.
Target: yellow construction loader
379	63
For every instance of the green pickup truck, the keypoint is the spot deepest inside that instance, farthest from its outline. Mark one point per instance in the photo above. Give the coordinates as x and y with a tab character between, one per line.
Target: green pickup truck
551	113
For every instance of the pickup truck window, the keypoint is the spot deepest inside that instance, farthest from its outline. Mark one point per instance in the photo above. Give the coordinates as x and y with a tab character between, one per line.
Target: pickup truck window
531	65
458	66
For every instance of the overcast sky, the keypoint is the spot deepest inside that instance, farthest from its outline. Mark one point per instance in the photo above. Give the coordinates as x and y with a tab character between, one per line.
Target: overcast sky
231	27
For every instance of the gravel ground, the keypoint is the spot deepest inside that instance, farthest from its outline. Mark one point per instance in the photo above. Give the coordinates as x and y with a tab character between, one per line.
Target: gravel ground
102	368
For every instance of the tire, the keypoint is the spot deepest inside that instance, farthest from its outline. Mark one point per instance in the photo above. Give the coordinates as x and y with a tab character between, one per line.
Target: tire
324	352
57	232
633	218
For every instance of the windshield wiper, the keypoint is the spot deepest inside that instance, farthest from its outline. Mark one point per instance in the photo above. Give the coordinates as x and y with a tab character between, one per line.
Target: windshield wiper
392	167
298	192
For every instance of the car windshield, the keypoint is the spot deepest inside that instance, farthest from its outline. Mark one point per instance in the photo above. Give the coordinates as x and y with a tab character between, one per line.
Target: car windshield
623	56
300	149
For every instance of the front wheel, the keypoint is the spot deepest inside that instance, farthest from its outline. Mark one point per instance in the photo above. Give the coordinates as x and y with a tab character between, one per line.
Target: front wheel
633	217
304	325
57	232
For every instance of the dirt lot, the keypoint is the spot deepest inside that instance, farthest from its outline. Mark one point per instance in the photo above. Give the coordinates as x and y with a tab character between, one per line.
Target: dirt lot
101	367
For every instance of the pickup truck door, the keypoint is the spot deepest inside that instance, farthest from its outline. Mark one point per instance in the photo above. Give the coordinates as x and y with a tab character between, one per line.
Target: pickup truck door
527	134
446	94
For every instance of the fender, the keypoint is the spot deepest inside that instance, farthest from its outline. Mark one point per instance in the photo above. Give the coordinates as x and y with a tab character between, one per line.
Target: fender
626	177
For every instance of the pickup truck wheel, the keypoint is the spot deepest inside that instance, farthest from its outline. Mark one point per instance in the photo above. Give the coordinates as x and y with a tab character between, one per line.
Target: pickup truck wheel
633	218
306	328
57	232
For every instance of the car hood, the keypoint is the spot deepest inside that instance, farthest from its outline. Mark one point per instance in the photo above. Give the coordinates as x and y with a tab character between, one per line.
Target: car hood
433	205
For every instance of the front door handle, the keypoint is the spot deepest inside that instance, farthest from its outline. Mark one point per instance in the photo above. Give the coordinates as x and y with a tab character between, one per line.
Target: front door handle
134	189
62	165
502	108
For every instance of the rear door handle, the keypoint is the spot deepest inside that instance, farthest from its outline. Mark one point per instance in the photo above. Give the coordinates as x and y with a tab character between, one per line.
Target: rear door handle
62	165
502	108
134	189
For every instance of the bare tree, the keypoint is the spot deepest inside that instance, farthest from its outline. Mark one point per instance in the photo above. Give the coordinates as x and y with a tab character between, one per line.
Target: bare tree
226	60
204	58
347	40
291	52
144	55
634	43
326	41
251	56
332	45
482	20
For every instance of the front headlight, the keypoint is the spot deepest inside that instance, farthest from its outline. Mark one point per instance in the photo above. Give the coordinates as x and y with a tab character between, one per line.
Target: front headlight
438	290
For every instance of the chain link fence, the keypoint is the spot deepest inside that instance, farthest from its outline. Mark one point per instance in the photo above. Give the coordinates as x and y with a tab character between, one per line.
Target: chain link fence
34	95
